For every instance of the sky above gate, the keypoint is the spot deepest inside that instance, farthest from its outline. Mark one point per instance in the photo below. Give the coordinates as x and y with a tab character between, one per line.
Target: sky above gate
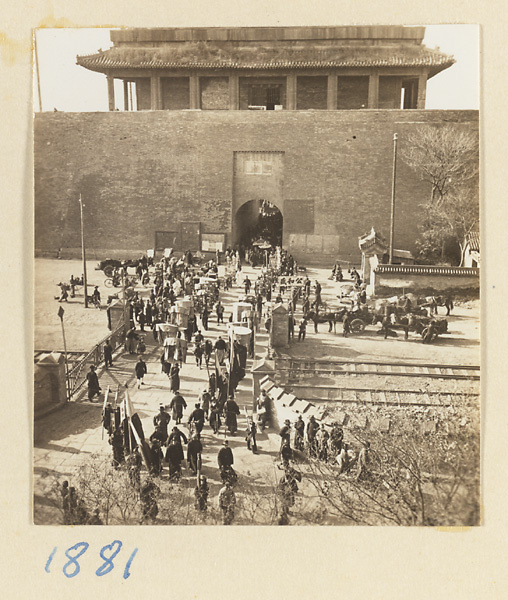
68	87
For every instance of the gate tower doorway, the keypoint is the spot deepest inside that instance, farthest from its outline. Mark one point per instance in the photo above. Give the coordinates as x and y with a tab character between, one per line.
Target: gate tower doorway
257	220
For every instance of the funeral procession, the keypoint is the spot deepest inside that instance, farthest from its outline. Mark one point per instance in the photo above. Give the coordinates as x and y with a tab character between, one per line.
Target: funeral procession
257	281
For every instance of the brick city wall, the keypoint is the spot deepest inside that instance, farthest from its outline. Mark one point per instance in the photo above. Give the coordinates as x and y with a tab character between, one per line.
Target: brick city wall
426	281
143	172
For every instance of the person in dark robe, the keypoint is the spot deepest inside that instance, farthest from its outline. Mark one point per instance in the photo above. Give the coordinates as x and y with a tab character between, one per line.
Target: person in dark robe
160	434
162	419
180	438
148	313
198	355
212	383
116	441
108	354
215	412
174	375
165	365
299	433
231	410
219	309
220	350
204	317
156	456
225	456
208	349
94	388
285	433
131	340
197	418
194	449
312	429
177	405
174	457
140	370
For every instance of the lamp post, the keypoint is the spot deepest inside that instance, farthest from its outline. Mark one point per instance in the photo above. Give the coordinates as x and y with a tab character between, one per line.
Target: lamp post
392	218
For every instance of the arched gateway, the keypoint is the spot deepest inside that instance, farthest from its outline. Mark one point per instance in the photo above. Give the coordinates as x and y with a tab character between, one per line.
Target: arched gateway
257	220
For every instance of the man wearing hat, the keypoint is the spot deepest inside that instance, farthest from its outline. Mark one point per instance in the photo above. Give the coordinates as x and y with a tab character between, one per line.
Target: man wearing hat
194	449
162	419
312	429
141	371
177	405
204	400
285	433
225	456
231	410
299	433
198	418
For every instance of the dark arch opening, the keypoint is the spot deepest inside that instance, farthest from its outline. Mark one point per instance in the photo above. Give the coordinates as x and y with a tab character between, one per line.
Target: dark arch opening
258	220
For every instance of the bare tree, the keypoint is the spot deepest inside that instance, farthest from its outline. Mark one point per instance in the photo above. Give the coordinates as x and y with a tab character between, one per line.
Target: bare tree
443	156
447	159
413	478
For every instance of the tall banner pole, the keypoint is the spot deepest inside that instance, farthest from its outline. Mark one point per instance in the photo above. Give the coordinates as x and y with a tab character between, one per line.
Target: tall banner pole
392	219
83	251
61	312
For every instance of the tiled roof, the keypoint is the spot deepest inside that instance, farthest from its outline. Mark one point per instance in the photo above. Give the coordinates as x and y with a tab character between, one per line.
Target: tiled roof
204	56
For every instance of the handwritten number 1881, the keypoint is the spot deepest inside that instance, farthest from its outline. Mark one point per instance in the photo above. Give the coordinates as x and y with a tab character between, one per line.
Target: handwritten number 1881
108	553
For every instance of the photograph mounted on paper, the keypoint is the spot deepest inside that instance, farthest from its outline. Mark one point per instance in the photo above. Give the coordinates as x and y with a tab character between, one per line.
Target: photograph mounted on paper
257	276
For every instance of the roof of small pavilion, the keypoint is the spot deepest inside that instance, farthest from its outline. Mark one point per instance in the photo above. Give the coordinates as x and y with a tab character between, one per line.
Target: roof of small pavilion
268	49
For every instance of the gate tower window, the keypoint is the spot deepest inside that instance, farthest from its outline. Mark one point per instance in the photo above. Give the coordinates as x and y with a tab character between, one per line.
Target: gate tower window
265	94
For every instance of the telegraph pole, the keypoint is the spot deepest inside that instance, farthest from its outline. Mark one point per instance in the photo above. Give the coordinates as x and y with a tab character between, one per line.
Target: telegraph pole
392	220
83	252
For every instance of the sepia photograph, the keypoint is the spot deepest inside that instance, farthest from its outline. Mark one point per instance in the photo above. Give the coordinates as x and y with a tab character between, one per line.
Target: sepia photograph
257	276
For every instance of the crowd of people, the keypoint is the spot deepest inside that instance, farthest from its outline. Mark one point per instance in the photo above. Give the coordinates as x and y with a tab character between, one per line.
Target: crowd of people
168	451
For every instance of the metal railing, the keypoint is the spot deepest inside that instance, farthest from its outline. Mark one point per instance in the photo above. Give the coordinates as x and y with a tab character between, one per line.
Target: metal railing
76	377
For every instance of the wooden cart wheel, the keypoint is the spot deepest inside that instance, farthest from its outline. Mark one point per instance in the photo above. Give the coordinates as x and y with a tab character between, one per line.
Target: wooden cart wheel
357	326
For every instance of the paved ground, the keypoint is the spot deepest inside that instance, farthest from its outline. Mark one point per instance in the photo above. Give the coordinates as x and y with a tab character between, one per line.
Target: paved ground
62	440
83	327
